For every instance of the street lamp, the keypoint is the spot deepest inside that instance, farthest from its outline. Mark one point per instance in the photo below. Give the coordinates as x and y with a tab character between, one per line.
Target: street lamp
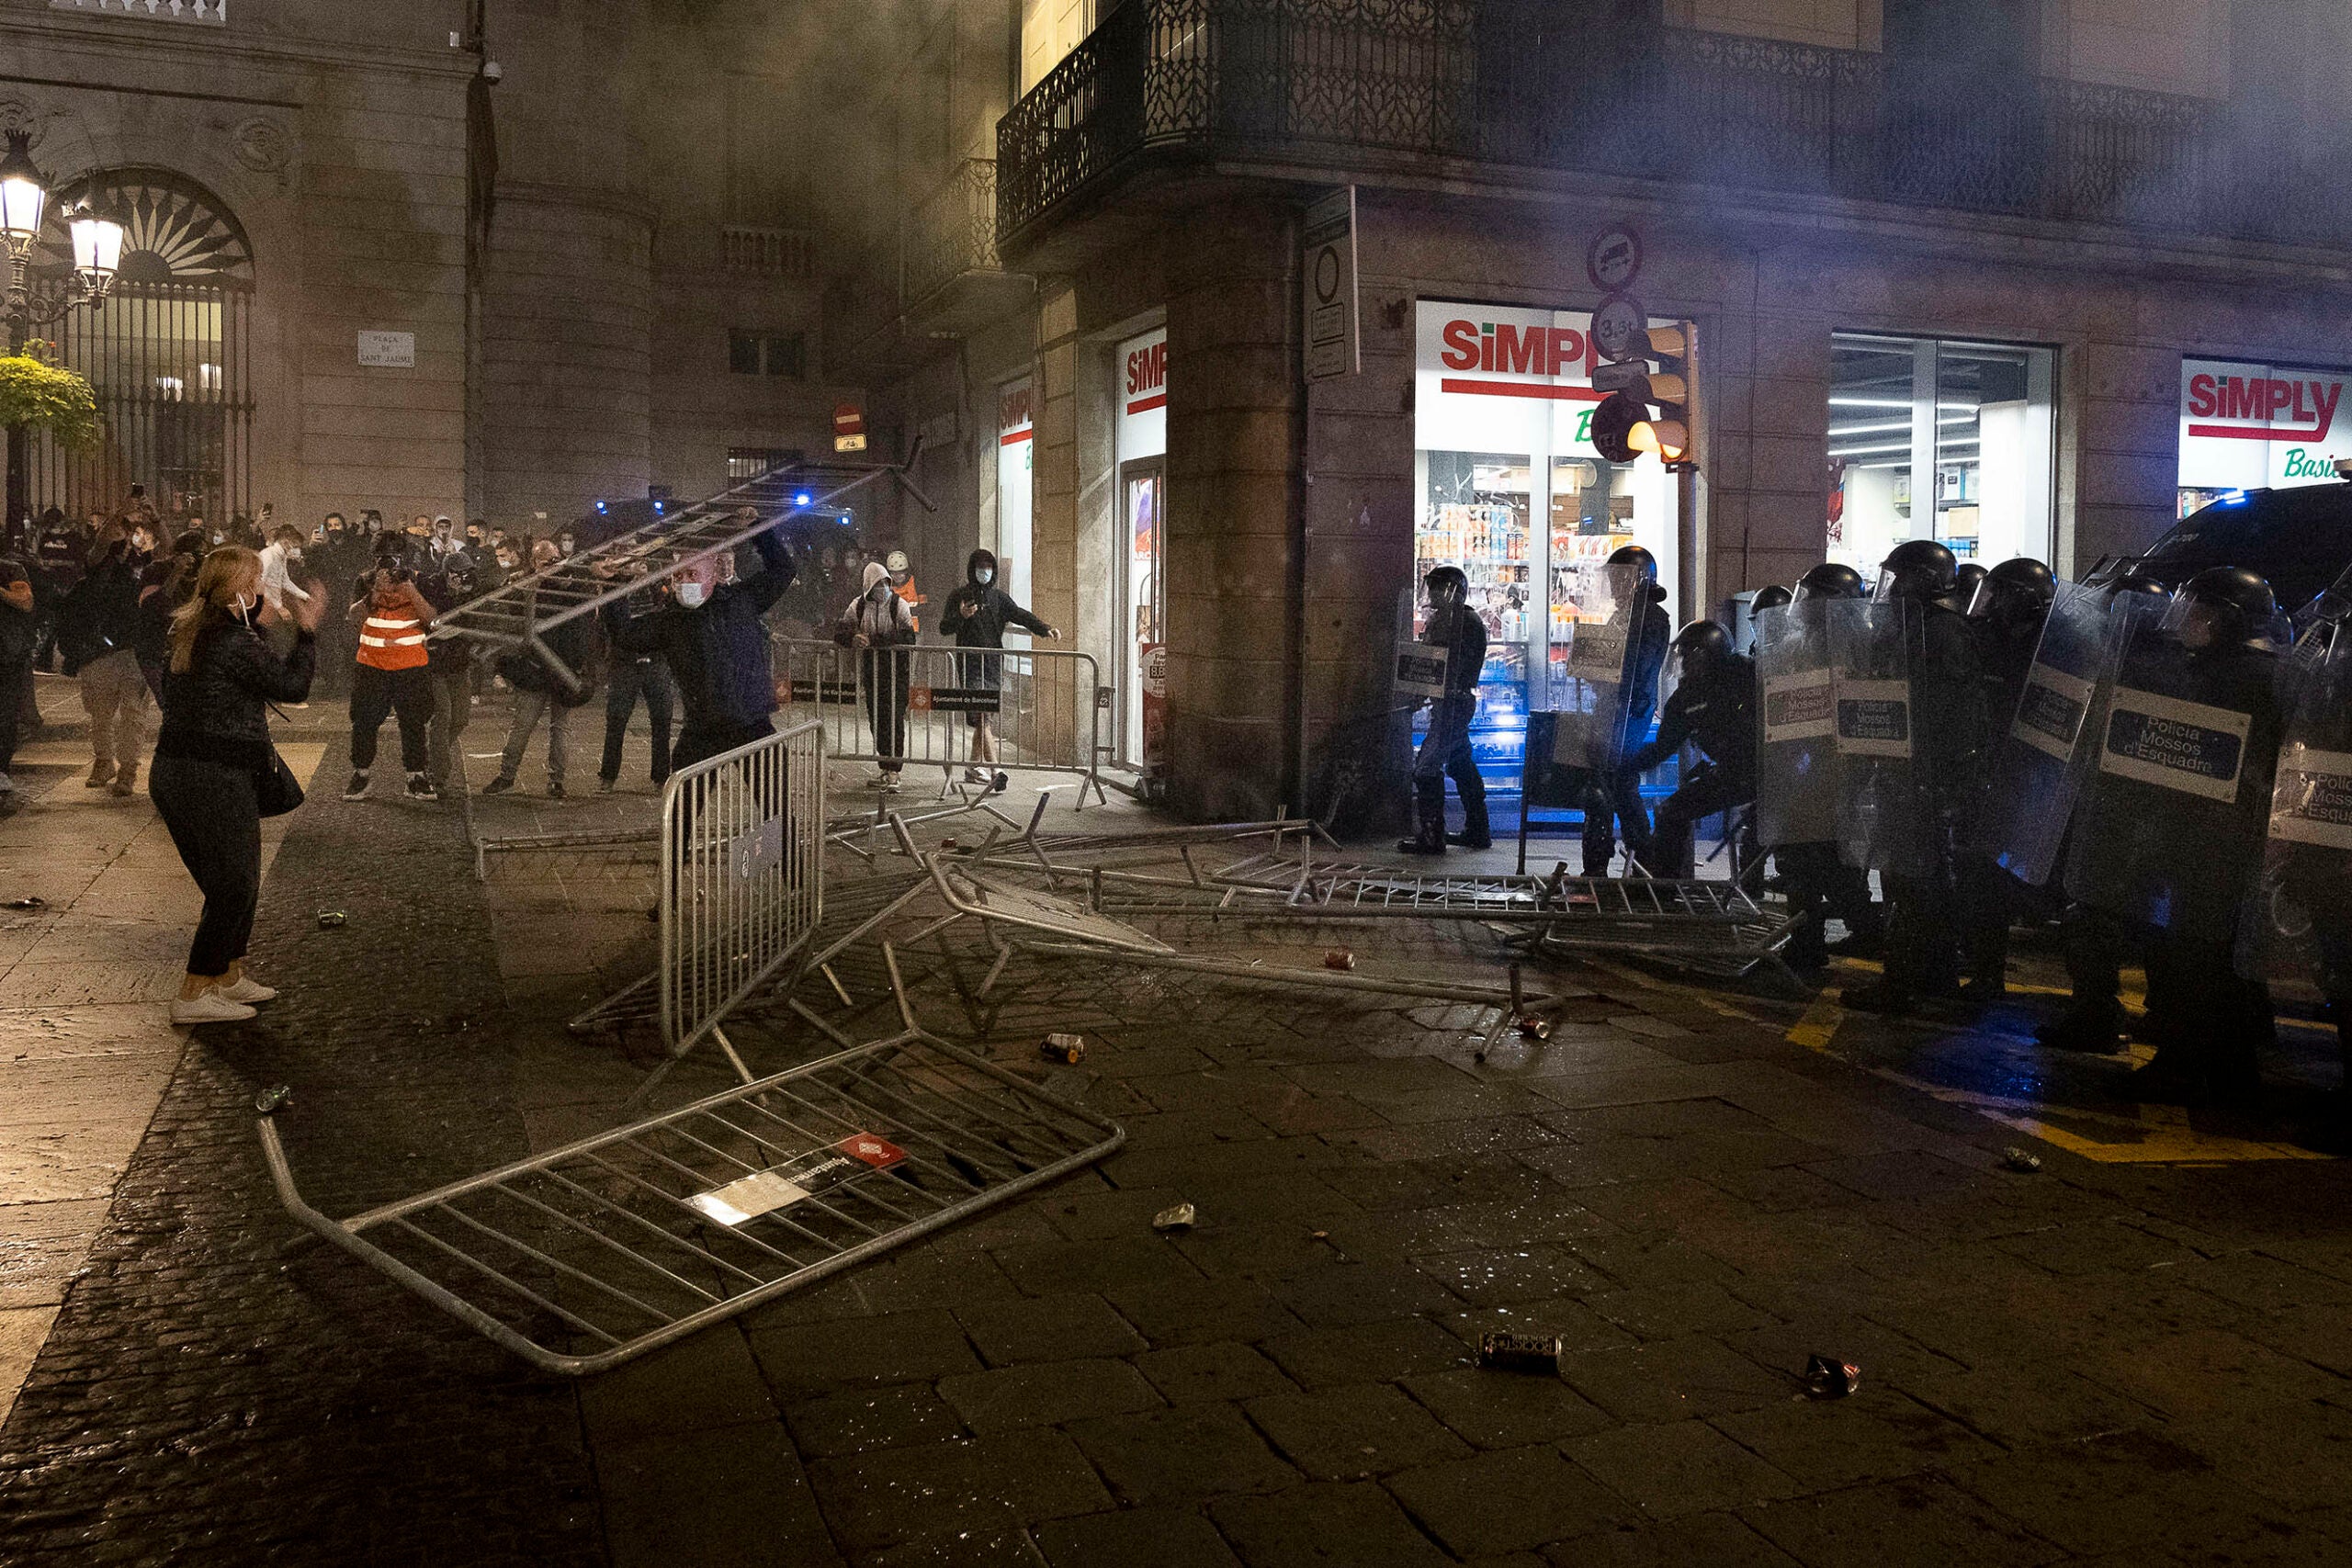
30	302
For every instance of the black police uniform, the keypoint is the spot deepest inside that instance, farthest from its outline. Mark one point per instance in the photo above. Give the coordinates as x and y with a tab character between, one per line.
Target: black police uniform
1617	798
1717	708
1445	748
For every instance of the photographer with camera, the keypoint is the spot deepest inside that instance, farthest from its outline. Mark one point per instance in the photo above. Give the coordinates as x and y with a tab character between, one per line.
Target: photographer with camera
392	674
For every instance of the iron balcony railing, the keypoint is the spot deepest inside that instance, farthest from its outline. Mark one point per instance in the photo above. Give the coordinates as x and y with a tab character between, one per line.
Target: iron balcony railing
1365	83
952	231
215	12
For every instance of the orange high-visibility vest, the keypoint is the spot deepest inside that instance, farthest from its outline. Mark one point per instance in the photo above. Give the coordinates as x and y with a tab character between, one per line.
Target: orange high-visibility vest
389	644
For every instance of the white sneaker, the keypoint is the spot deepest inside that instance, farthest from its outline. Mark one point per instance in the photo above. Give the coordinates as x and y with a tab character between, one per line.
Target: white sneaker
210	1008
879	780
979	776
247	989
887	783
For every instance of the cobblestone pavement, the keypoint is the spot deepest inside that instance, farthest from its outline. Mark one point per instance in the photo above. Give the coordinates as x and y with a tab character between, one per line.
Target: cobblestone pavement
2136	1354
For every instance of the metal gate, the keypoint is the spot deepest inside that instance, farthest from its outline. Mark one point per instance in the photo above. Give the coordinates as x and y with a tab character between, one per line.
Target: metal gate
589	1255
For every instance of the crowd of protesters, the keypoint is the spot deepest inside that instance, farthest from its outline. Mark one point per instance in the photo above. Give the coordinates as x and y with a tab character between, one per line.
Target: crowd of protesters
217	623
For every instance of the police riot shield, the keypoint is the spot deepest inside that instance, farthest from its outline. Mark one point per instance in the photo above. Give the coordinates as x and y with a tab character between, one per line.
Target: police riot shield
1882	820
2299	924
2035	770
2168	822
1796	778
1591	694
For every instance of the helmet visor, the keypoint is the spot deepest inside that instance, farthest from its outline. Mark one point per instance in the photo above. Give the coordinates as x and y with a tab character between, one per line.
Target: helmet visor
1627	581
2192	622
1983	600
1888	586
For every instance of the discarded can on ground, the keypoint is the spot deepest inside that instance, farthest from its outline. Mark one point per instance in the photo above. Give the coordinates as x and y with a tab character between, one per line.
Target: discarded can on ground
330	919
946	843
31	901
270	1099
1503	1352
1826	1377
2023	1160
1339	958
1065	1048
1178	1218
1534	1028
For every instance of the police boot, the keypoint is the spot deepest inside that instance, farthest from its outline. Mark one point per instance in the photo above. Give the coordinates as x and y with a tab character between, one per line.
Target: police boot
1428	823
1475	834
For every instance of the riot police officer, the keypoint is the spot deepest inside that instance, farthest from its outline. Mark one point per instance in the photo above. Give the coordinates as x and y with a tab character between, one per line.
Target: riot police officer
1615	796
1947	732
1818	884
2006	610
1445	749
1713	706
2171	836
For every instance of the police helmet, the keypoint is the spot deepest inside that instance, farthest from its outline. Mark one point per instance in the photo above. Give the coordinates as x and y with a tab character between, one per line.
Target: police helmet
2137	583
1631	571
1701	648
1830	580
1916	568
2222	607
1768	598
2020	586
1447	585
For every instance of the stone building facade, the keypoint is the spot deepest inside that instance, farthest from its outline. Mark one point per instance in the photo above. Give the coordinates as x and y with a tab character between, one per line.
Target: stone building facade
1954	271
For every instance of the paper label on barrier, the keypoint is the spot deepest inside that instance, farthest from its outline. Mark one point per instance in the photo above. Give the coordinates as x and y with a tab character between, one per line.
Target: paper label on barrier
1798	707
1874	718
2313	804
2050	714
760	849
763	1191
2189	747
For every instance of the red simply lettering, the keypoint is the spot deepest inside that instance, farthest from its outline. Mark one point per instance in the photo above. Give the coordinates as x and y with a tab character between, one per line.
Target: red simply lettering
2309	406
1148	368
1518	351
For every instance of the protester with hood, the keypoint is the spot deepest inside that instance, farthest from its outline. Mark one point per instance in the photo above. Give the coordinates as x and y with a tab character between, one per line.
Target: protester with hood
876	623
976	617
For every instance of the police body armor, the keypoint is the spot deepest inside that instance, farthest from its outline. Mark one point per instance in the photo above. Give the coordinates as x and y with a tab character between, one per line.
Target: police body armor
1796	776
2168	826
2035	771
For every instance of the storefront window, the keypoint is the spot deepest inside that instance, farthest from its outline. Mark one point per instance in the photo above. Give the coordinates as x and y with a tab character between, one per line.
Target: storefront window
1013	446
1501	430
1142	368
2258	426
1939	439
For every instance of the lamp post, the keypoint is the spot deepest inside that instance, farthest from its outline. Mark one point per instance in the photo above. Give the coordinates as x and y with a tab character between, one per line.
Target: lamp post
30	302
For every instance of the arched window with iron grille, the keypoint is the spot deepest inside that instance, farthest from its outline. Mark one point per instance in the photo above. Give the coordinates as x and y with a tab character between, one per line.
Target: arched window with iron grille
169	353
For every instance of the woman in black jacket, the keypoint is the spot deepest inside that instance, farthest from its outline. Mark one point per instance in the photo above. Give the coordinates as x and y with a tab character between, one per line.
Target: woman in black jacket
209	760
978	614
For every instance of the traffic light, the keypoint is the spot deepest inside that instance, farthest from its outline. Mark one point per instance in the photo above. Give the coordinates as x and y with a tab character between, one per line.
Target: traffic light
1649	410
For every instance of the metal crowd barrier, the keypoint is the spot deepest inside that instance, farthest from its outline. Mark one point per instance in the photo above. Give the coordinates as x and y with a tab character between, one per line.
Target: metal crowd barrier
1043	703
743	877
587	1256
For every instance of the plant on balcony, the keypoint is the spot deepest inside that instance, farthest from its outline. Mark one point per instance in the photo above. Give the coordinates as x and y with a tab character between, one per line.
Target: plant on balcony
40	394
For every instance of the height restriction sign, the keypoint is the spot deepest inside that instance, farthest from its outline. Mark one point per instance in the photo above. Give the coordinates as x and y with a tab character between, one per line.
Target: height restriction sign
1327	281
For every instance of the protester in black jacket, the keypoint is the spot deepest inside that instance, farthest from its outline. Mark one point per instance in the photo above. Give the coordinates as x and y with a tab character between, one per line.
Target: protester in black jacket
977	615
715	640
210	759
97	634
537	690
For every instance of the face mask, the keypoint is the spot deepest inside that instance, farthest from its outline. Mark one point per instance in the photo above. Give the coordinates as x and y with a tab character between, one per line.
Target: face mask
243	609
293	552
216	537
984	577
690	594
564	545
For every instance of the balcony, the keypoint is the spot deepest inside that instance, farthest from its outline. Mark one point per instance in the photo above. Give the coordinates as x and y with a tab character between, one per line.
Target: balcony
785	255
1423	86
214	13
937	279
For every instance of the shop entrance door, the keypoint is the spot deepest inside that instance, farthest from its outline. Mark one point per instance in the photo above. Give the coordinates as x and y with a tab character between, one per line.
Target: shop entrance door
1143	730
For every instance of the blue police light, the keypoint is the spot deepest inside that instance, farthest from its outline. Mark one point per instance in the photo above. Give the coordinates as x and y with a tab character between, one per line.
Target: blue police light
600	507
656	509
2231	498
801	500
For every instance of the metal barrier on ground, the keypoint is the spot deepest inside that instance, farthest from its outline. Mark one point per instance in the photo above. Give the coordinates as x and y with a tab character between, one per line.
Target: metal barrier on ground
917	706
587	1256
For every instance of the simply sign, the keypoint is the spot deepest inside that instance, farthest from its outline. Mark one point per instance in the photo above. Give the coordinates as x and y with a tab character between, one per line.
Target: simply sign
849	428
388	351
1328	285
2255	426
